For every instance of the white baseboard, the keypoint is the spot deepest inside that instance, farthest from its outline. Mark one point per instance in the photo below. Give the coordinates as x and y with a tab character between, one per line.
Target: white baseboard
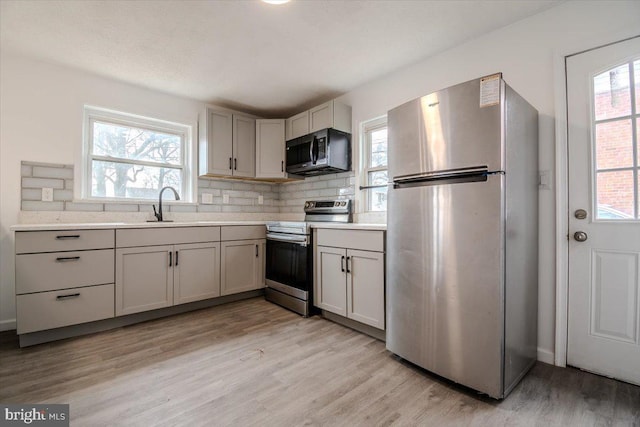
7	325
546	356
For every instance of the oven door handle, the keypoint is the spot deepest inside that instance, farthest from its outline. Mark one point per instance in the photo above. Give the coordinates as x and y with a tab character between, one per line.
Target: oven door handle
300	240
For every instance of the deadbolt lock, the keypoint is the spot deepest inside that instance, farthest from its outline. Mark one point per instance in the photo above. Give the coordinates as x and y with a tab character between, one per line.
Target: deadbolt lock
580	214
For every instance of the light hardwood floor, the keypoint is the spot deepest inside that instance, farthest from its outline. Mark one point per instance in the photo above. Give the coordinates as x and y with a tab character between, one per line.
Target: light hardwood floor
254	363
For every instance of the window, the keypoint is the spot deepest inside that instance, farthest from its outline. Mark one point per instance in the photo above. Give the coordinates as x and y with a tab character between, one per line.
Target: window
616	129
132	158
375	163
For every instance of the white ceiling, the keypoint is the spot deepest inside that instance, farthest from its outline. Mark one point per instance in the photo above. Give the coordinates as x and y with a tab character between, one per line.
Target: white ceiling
265	59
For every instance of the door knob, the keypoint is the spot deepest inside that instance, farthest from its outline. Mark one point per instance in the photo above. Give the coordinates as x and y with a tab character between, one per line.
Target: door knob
580	236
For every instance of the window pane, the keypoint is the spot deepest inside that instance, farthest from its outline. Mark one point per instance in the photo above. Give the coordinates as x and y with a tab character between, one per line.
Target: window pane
614	145
111	179
615	195
636	77
136	144
612	97
378	148
378	196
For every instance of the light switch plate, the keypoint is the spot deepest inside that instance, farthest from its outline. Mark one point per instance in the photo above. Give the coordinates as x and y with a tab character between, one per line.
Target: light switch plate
47	194
261	199
207	198
225	198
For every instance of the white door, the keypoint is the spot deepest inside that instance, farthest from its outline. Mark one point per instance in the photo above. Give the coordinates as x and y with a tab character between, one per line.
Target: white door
365	287
331	280
270	148
241	266
196	272
244	146
603	97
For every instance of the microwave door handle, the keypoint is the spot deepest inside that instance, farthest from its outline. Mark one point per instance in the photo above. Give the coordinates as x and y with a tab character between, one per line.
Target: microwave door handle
316	148
313	140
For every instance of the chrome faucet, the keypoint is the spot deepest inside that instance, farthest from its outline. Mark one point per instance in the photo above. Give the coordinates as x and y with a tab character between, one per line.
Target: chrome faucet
158	214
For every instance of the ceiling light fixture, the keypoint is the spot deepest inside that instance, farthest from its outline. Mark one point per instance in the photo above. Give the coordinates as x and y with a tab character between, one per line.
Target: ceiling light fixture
276	1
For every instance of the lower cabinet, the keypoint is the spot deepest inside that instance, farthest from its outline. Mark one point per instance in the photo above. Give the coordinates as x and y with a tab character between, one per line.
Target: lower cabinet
160	276
350	282
242	266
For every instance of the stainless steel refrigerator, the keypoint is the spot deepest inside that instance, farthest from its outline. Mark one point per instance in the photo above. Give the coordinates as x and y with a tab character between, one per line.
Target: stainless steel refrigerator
462	234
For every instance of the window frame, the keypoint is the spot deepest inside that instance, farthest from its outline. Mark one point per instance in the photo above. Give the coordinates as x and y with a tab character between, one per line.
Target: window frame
367	128
94	114
634	117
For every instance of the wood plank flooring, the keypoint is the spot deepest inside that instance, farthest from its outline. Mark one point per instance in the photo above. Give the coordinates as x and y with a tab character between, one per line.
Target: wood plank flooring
252	363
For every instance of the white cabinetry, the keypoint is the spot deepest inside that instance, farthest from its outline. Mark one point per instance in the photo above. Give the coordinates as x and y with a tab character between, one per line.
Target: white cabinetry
270	149
242	259
349	274
297	125
332	114
227	144
150	275
63	278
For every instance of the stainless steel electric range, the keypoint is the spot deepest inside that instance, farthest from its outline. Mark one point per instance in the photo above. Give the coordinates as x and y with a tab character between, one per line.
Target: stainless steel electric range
289	270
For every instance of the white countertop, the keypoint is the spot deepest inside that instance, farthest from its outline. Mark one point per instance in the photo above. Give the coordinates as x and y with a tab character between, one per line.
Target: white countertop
349	226
123	225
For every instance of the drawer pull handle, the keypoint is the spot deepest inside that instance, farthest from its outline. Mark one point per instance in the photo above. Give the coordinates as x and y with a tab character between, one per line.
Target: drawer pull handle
68	258
62	297
348	270
67	237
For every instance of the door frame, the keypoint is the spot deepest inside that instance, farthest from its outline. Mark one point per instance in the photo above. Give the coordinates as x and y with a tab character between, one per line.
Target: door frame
562	196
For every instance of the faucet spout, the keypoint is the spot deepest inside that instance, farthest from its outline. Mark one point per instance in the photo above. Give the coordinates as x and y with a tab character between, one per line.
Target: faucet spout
158	214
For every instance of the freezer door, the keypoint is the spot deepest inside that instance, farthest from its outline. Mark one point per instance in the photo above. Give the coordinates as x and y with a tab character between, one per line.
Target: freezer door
446	130
445	280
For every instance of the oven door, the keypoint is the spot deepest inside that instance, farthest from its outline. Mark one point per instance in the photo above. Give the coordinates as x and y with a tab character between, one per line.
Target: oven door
289	262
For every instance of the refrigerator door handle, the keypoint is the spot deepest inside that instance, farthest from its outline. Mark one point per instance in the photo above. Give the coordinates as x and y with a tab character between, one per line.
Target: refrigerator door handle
444	177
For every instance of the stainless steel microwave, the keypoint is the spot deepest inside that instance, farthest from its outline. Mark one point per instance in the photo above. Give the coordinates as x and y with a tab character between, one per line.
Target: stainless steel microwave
322	152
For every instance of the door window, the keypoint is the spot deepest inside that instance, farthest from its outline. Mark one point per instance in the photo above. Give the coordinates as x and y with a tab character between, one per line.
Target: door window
616	132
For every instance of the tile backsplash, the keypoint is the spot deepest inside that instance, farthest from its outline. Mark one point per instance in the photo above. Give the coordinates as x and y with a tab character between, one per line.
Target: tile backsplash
243	195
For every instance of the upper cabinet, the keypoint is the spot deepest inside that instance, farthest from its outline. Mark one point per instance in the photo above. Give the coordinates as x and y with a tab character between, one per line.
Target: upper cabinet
332	114
227	144
298	125
270	149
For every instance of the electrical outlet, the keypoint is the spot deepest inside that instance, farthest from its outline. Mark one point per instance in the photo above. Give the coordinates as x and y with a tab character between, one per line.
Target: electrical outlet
261	199
207	198
225	198
47	194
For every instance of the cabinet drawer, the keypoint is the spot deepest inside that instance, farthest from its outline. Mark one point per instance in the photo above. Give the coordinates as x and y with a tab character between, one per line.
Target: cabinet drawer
48	310
132	237
365	240
67	240
63	270
243	232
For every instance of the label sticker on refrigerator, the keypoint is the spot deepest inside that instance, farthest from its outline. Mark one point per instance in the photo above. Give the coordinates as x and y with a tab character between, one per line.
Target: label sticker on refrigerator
490	91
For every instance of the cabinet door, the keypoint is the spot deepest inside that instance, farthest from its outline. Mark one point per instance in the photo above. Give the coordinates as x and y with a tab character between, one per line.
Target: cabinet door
297	125
196	273
144	279
321	117
270	149
331	280
365	287
241	266
244	146
218	144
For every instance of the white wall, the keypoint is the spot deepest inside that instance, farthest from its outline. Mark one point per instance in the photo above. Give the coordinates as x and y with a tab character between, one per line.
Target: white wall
525	53
41	109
